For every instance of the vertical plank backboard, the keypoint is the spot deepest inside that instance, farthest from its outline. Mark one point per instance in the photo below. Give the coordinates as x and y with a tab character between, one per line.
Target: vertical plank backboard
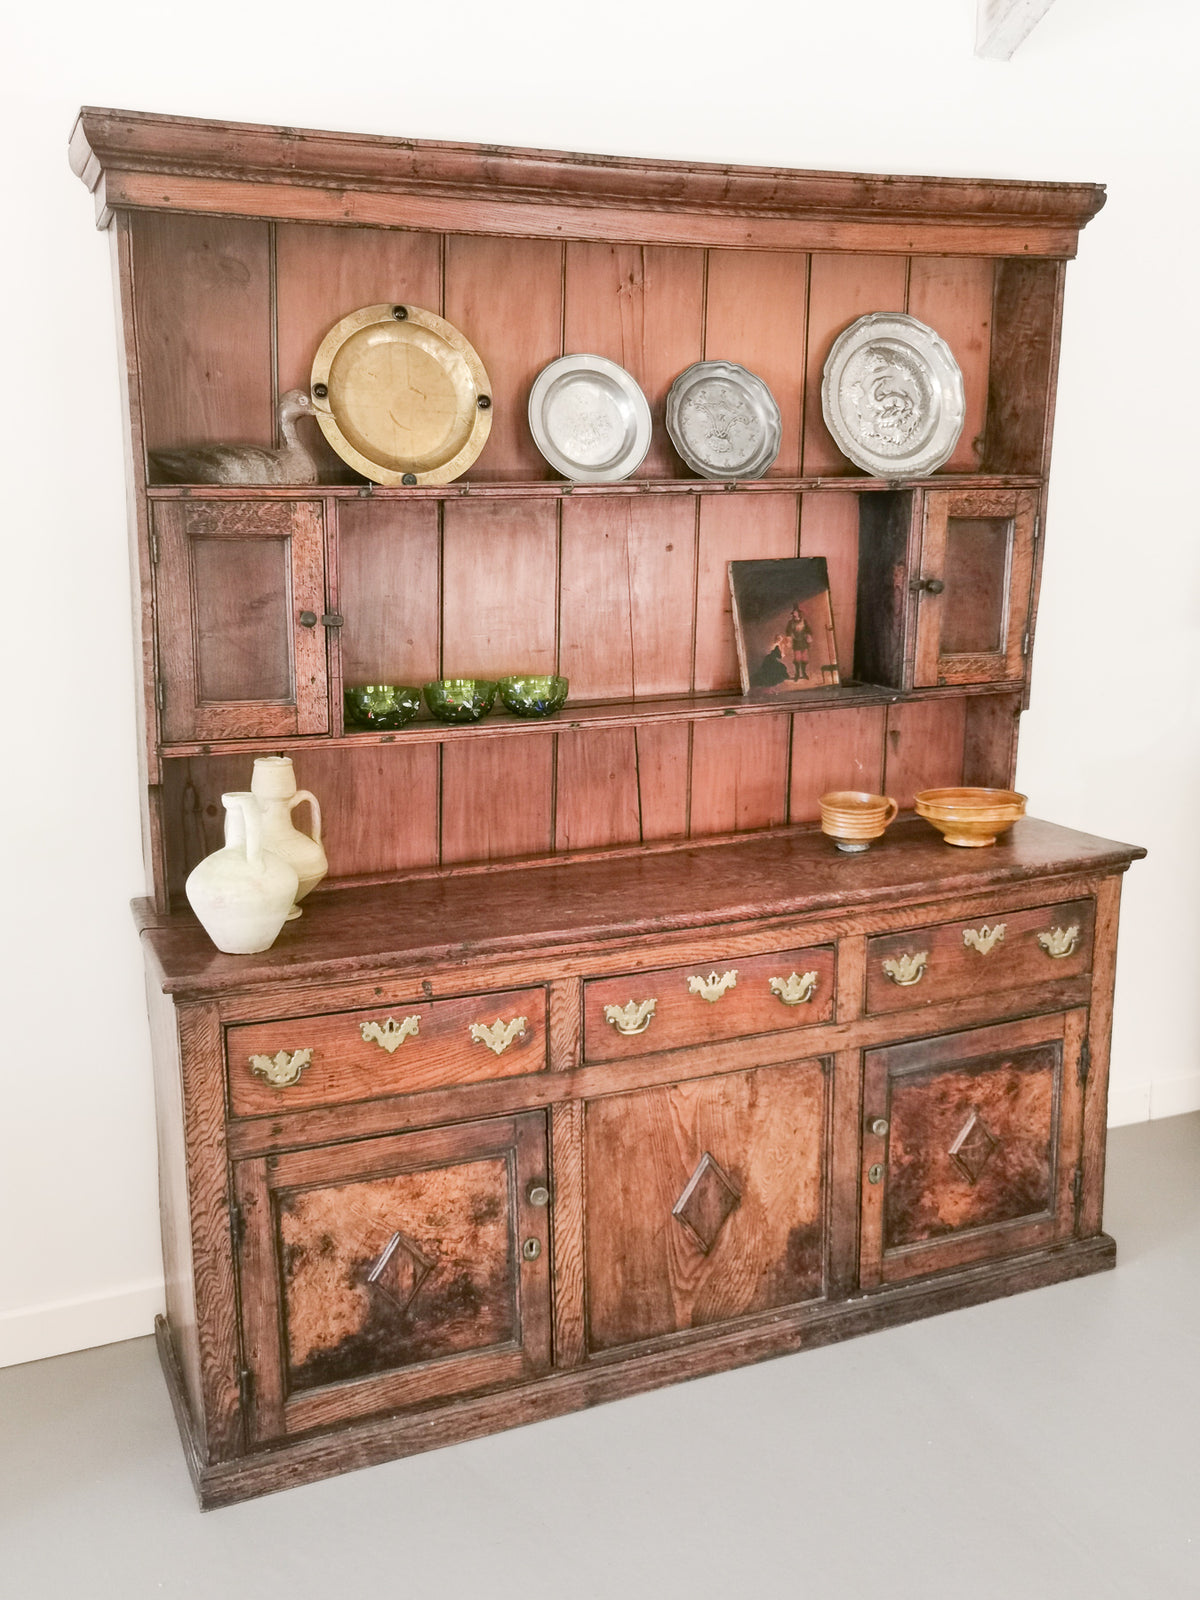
739	774
840	291
499	575
755	312
1024	362
505	296
202	291
497	798
379	804
597	792
834	750
643	307
388	590
322	274
628	579
829	528
953	295
732	528
924	747
664	752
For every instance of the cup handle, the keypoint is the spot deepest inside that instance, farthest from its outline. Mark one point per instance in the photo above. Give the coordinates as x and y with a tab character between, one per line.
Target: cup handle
893	813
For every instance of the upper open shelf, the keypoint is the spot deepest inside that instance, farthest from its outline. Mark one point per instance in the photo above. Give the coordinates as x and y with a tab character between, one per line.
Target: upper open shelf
558	488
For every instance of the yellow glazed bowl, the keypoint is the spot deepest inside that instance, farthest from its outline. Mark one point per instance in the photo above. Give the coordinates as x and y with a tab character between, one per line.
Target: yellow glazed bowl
853	818
971	817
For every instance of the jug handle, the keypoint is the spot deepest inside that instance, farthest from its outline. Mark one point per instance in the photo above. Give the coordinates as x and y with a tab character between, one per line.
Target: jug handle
243	824
304	794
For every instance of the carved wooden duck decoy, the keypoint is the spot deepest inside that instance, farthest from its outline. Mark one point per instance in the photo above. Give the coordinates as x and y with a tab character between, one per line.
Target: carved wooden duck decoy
244	463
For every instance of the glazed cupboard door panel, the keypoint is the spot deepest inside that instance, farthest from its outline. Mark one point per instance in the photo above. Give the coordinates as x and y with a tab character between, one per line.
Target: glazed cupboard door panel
974	586
240	598
392	1271
704	1202
971	1146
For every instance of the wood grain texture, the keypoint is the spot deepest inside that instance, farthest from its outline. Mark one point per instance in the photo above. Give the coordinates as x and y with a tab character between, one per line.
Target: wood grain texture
732	529
953	295
829	528
498	589
596	794
388	591
924	748
664	779
397	830
1099	1039
567	1221
754	314
990	741
644	309
834	750
476	826
844	1166
505	296
739	775
628	574
836	298
1024	365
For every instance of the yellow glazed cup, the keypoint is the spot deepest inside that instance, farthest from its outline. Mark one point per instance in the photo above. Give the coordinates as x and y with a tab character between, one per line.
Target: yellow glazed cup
852	819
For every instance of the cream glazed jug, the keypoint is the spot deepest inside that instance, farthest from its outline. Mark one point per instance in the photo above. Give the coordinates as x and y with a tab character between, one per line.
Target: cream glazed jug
274	787
244	893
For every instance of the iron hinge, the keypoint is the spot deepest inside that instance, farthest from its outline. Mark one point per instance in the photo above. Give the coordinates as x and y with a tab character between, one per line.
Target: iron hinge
245	1387
237	1224
1037	528
160	697
1025	643
154	549
1085	1061
1077	1187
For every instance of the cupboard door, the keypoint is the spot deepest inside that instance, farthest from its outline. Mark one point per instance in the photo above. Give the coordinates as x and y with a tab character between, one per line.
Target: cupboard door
704	1201
239	594
970	1146
391	1271
974	585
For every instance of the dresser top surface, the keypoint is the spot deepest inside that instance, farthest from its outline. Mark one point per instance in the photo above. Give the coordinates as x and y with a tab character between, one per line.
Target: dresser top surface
453	916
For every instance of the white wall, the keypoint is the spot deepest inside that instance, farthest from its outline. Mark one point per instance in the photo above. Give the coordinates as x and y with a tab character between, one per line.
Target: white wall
1102	90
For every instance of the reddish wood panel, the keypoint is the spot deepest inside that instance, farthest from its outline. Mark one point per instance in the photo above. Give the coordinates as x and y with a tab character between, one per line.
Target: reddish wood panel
953	295
834	750
643	307
499	568
628	576
664	754
732	528
1024	363
321	275
829	528
755	314
505	296
739	774
596	800
497	798
203	301
378	803
388	590
925	741
839	293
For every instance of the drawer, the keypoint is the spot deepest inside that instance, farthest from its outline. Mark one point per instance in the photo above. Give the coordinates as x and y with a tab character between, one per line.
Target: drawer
358	1055
954	960
675	1006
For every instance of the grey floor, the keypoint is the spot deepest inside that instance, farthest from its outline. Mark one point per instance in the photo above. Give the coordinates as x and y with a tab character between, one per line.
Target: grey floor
1039	1448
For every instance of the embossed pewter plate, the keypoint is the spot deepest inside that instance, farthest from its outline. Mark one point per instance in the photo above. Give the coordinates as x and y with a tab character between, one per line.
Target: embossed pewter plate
723	420
892	396
401	395
589	419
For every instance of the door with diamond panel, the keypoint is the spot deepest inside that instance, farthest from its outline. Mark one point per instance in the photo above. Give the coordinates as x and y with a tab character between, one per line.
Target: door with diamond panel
704	1201
386	1272
971	1146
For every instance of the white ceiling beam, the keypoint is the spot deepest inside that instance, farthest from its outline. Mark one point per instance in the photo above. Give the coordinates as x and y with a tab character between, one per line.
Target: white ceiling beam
1003	25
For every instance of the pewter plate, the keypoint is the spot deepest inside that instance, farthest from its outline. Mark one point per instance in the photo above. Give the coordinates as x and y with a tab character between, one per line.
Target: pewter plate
589	419
723	420
892	396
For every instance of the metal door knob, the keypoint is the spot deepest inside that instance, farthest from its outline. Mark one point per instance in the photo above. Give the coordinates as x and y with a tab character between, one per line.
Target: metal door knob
931	585
879	1127
537	1194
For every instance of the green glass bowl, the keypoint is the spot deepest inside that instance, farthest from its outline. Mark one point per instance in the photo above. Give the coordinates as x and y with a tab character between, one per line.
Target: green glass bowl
459	699
534	696
381	705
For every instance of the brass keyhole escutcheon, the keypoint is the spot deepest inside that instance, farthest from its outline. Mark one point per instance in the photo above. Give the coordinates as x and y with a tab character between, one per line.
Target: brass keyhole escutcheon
531	1249
875	1173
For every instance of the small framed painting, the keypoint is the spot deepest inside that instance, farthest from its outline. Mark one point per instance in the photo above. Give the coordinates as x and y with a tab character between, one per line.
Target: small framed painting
783	624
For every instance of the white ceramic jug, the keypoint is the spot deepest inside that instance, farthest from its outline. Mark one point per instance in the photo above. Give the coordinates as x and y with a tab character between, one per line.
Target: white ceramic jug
243	893
274	787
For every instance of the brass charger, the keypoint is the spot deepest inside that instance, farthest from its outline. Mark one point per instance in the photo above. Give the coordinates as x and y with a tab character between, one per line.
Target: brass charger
401	396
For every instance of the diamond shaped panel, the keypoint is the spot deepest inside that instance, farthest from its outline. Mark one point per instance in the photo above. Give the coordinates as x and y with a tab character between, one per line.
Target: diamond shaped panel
706	1204
974	1148
400	1271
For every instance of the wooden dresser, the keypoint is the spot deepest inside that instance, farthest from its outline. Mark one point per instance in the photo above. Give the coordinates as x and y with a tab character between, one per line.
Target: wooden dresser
593	1065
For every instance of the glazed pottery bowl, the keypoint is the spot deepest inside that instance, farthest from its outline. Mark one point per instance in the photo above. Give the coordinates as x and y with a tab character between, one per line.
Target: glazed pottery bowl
852	818
381	705
534	696
971	817
460	699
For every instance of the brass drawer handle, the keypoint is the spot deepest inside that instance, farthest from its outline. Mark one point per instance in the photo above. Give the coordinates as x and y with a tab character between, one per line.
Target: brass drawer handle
906	970
712	987
794	990
390	1034
499	1035
283	1068
1059	942
632	1018
984	939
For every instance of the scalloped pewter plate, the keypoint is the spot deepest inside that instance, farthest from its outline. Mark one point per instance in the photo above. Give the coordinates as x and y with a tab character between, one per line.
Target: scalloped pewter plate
401	395
892	396
723	420
589	419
